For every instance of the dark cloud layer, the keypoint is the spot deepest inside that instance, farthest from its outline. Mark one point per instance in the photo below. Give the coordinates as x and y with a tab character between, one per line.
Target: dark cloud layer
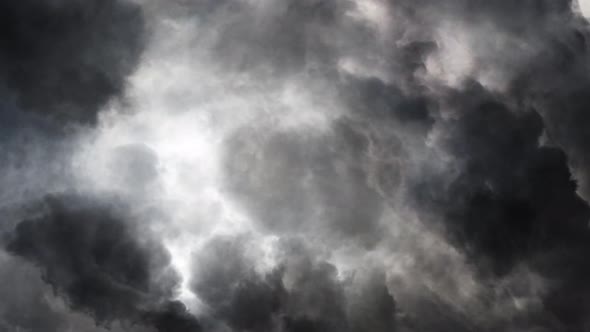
513	201
88	251
302	293
510	198
68	58
466	118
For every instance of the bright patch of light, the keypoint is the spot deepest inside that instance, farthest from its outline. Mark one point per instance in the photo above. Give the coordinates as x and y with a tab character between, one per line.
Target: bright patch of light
182	111
584	6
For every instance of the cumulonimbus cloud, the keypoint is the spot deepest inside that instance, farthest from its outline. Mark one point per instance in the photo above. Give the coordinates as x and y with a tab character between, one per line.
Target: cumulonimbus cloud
294	165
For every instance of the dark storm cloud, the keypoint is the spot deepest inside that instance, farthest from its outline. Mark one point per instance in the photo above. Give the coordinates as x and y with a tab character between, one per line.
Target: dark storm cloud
29	304
546	60
382	102
93	255
541	49
493	166
512	201
506	200
227	282
556	82
67	58
301	293
60	62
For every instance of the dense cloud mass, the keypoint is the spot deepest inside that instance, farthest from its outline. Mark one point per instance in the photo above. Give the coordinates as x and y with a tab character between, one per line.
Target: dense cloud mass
294	165
68	58
315	181
302	293
87	252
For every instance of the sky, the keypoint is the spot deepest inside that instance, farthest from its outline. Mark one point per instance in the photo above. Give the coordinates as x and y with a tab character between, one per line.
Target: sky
585	7
294	165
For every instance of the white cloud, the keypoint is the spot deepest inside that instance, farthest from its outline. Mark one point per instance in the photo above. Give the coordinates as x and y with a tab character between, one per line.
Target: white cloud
584	6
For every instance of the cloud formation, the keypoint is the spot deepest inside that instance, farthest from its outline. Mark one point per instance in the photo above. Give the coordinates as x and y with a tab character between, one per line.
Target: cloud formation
68	58
294	166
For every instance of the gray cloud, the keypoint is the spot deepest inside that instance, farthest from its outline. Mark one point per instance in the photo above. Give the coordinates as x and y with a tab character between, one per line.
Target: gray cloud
305	182
302	293
367	165
67	58
88	252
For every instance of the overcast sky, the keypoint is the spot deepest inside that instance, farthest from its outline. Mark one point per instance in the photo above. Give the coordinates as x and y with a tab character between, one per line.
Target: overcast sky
294	165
